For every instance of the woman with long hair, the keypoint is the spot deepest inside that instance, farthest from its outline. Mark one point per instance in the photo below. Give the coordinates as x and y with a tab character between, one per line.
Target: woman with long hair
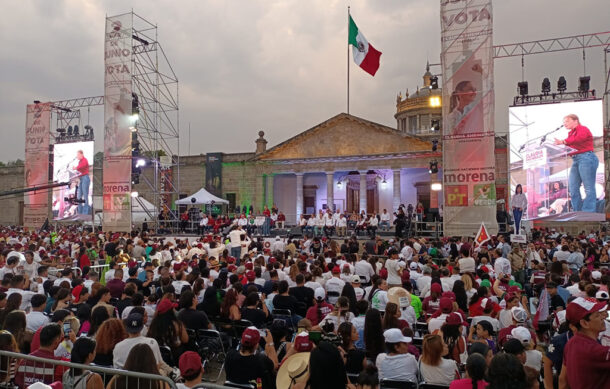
461	297
355	360
373	334
83	352
7	365
167	330
435	369
340	314
13	302
519	206
476	367
210	304
349	292
326	368
229	308
142	360
451	332
111	332
484	334
391	317
15	323
98	316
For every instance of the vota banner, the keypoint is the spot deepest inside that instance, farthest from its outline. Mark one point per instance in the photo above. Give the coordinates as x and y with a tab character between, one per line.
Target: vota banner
37	126
117	122
468	109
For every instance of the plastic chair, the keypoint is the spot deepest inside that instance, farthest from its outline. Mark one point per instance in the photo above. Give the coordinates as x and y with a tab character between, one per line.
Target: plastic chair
212	351
395	384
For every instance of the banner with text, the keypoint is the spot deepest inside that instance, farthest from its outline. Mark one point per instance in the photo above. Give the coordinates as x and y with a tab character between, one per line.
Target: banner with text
117	122
36	172
468	109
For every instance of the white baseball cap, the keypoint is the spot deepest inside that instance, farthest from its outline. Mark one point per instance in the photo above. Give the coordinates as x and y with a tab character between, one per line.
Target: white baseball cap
393	335
319	293
413	266
596	275
355	279
522	334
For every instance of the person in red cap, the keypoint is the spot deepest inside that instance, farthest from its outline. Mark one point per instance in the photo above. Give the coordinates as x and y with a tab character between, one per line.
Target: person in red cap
245	366
335	285
586	363
191	369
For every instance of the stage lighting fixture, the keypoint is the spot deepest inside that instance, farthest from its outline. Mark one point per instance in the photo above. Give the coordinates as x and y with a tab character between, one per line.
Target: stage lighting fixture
384	184
434	82
339	184
434	144
562	84
546	86
434	101
36	101
433	167
140	163
583	84
135	179
134	194
435	126
69	130
75	133
61	131
436	186
133	128
523	88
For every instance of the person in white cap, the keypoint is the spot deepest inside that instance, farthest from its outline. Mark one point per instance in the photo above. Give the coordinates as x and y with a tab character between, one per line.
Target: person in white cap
357	289
397	364
533	356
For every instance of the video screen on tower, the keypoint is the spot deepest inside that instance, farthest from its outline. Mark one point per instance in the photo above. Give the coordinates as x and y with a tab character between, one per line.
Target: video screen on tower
556	155
73	164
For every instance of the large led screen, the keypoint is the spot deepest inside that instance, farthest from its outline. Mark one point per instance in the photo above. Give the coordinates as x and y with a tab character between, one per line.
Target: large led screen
73	165
556	154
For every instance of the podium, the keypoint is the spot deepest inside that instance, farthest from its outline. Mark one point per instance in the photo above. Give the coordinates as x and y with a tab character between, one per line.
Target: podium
547	169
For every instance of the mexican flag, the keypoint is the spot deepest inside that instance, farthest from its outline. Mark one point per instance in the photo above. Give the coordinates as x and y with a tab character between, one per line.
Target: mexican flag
365	54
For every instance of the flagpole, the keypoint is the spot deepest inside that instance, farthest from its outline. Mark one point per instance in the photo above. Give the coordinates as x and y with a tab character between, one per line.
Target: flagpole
348	59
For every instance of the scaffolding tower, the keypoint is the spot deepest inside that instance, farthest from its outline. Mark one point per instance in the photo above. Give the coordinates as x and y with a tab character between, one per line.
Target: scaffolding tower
155	86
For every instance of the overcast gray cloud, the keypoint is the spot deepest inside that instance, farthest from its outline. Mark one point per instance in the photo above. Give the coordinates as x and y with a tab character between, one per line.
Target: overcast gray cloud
274	65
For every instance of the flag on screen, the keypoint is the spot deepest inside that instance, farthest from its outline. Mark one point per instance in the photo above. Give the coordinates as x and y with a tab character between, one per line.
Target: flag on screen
365	55
542	312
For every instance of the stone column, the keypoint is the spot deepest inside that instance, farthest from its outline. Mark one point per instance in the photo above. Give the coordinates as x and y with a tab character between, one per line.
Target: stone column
396	184
269	191
330	190
299	209
363	190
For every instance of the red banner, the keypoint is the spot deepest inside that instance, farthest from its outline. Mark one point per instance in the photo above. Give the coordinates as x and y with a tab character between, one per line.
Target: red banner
36	172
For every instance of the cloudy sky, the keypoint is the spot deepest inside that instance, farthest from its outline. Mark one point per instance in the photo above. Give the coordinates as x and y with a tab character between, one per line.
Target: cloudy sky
275	65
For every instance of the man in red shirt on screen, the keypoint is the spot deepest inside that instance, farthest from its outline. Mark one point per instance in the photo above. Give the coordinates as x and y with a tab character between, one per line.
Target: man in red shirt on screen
584	164
85	182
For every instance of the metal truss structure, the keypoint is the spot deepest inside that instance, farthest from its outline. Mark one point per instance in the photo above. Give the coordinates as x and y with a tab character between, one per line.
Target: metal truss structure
155	84
576	42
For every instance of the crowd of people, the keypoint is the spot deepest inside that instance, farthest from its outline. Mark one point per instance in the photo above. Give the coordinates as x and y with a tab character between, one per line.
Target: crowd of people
312	312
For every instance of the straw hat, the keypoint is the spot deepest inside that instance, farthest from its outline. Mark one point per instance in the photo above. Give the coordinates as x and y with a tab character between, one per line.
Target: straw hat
295	369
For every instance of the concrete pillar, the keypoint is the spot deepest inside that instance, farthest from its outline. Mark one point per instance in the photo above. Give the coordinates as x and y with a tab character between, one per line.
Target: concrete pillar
330	190
396	189
363	191
299	209
269	191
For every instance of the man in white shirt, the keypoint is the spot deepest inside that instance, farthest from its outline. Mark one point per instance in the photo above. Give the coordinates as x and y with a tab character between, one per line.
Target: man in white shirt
357	289
423	283
36	318
278	245
385	220
407	252
134	324
364	269
334	286
341	225
466	263
235	238
203	224
501	264
372	225
17	285
329	224
30	266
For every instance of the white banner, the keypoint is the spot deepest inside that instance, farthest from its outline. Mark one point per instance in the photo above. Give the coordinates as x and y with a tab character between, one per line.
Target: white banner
117	119
468	109
36	172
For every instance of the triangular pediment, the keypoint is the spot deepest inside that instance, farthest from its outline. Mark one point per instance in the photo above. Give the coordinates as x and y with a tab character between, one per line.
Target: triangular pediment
345	136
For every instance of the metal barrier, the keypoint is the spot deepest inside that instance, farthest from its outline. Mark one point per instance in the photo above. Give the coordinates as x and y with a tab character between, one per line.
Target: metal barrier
47	369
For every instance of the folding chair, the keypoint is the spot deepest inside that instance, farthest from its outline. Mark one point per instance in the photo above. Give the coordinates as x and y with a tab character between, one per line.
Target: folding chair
212	351
166	354
239	326
284	314
395	384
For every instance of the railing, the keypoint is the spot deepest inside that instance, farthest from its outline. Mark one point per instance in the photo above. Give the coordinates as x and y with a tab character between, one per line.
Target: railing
49	366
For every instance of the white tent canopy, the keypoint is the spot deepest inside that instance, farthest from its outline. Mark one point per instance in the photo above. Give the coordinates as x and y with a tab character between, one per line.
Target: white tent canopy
202	196
138	213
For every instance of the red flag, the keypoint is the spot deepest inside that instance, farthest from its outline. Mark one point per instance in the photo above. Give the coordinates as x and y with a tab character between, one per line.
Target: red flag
542	311
482	236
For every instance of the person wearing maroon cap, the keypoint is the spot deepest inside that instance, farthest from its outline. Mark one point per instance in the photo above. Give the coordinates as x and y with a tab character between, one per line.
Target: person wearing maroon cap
245	366
191	369
250	278
586	363
334	286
